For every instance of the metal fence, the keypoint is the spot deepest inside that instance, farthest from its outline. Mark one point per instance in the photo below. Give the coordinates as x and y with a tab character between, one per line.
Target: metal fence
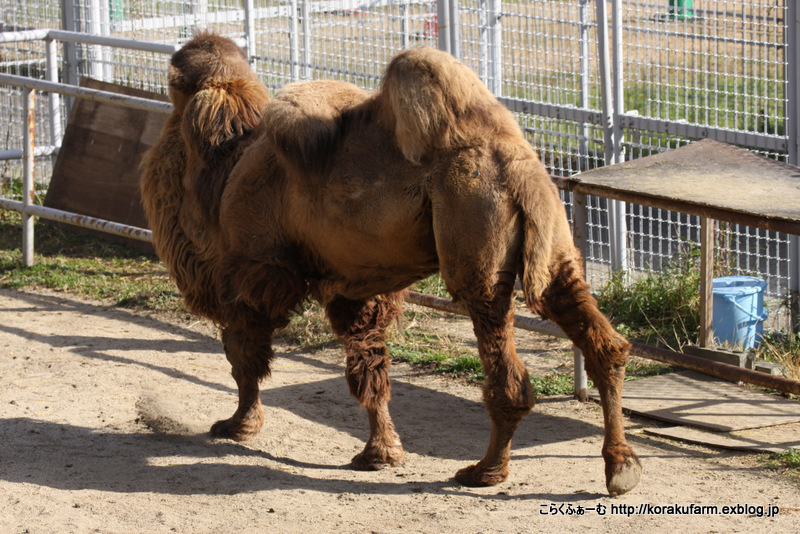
658	75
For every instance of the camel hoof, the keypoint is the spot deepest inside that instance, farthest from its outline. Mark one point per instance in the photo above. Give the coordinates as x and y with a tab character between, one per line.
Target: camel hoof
476	476
237	429
624	476
377	458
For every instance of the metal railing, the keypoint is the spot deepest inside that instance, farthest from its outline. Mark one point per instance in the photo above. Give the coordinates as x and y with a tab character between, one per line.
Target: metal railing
29	86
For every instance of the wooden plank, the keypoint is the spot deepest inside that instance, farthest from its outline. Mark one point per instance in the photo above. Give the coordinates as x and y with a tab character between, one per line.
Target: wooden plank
97	170
698	400
782	438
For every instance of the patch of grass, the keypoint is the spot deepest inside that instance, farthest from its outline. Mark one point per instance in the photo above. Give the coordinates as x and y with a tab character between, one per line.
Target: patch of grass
658	309
309	329
433	285
788	460
422	347
85	266
554	383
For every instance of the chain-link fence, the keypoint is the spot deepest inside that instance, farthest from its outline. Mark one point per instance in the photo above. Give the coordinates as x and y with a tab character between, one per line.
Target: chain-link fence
678	70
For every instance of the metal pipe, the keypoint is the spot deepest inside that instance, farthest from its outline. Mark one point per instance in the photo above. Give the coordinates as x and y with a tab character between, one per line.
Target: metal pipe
249	31
294	42
38	152
28	143
695	363
75	219
443	25
94	95
118	42
706	281
455	30
53	98
793	131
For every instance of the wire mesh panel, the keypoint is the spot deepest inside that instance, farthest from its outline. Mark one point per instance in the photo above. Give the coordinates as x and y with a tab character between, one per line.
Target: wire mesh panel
23	59
346	40
720	64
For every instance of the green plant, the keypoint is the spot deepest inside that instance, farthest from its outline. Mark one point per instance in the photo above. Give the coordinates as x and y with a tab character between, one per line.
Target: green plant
784	349
553	383
637	368
423	347
309	329
789	459
656	308
433	285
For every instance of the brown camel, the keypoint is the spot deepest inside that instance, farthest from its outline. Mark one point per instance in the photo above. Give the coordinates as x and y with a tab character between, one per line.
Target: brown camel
328	192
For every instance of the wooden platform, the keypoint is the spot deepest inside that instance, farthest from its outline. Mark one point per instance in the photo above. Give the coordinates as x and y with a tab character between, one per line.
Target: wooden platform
705	178
697	400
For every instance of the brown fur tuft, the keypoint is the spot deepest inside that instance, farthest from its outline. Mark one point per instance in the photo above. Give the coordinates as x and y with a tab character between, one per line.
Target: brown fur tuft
432	101
221	112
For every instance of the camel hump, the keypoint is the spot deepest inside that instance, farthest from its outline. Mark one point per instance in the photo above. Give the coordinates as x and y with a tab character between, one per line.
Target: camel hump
305	120
433	101
213	87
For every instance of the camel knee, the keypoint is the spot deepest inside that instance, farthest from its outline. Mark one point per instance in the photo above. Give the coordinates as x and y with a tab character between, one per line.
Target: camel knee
509	396
368	378
248	348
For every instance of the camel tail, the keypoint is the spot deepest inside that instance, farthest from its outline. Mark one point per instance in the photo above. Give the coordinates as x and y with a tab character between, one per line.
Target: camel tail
547	240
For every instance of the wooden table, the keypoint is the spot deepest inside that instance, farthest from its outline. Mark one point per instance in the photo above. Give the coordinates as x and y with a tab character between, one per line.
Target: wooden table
707	178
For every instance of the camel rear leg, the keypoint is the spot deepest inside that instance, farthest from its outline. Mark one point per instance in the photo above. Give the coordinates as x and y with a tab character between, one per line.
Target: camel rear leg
507	391
247	341
569	304
361	326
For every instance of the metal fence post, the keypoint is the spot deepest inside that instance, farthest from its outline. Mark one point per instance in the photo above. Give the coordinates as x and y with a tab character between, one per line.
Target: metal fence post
580	236
249	30
617	209
294	41
306	29
443	24
455	31
583	50
793	131
28	139
495	47
69	23
405	25
94	53
53	98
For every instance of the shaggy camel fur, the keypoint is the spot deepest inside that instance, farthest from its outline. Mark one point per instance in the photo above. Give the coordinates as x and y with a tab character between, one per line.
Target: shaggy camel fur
328	192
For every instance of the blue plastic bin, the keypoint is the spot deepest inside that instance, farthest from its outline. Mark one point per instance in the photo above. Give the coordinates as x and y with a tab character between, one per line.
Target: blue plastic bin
739	311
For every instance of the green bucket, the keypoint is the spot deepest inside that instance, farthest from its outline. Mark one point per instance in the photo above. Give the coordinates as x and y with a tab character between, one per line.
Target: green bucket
680	9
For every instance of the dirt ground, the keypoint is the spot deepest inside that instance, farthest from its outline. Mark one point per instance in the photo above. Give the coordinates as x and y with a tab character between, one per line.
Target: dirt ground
104	429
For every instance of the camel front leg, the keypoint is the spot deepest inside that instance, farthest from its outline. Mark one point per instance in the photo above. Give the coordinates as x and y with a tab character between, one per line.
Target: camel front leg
623	468
248	347
361	326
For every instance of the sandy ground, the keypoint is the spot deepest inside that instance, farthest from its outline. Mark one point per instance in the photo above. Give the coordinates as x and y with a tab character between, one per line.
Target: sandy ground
104	429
